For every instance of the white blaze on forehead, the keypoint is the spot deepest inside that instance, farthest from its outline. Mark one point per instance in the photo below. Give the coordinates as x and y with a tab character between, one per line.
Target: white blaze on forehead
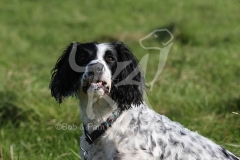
102	48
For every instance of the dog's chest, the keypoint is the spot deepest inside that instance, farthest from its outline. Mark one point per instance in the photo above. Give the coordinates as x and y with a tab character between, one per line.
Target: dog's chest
120	140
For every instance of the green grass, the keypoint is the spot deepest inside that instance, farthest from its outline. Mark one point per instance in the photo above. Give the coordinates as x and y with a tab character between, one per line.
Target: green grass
199	86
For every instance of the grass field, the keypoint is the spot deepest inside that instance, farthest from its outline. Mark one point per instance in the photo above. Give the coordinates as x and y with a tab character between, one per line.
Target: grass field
198	87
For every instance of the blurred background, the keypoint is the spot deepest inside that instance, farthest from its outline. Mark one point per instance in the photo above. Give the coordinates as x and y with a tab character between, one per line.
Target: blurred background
198	87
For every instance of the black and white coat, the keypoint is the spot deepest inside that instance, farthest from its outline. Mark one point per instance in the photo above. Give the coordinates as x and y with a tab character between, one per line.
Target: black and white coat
91	72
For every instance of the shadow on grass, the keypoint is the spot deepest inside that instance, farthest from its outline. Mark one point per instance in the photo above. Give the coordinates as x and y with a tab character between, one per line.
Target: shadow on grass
179	34
10	112
231	105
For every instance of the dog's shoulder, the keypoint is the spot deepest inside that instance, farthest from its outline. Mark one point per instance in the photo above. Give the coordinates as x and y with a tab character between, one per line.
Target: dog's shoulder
141	132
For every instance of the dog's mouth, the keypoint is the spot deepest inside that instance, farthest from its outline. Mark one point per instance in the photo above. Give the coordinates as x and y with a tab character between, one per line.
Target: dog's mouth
99	85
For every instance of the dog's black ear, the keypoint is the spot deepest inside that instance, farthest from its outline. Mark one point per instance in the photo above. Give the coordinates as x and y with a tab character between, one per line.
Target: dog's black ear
128	84
65	80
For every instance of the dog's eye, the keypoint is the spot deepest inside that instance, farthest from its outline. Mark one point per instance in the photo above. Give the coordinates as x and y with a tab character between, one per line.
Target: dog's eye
109	59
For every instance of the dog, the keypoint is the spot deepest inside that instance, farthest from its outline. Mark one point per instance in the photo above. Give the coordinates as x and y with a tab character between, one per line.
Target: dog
118	124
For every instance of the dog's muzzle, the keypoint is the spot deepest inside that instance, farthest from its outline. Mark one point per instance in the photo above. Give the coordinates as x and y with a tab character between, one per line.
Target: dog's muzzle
95	79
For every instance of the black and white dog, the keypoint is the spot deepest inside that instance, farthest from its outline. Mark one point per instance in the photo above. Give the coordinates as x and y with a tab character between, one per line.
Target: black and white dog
117	122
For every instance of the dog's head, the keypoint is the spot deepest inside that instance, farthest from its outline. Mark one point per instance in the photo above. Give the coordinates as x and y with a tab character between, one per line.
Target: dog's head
102	69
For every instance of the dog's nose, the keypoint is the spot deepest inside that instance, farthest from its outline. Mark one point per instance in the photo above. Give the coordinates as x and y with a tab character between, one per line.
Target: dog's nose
99	67
96	68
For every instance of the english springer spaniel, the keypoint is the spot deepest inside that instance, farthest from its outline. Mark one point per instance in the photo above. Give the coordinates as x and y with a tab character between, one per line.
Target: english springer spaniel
117	122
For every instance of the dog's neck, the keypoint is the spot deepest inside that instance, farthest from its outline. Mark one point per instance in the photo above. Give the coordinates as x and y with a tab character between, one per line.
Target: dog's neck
95	111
